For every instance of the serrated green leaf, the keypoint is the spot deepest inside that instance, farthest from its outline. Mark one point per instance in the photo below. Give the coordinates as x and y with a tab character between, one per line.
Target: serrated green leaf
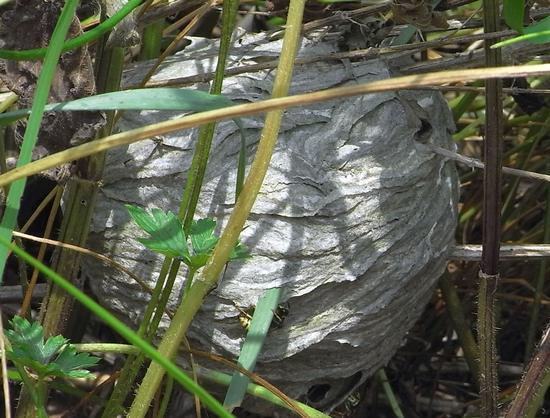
239	252
513	12
52	347
70	361
79	374
27	340
197	261
202	236
165	229
169	238
55	357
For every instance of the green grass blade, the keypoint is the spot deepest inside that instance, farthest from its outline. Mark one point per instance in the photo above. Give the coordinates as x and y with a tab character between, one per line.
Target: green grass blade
186	100
257	391
538	33
252	346
120	328
139	99
513	12
390	395
41	94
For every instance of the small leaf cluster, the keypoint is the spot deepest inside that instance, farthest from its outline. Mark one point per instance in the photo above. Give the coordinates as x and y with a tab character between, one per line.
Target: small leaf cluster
168	237
54	357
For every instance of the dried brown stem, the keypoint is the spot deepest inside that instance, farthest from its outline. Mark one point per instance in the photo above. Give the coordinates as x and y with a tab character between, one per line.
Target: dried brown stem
530	384
488	274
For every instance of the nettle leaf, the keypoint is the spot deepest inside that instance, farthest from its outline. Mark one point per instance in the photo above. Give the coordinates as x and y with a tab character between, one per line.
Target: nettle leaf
202	235
239	252
169	238
55	357
165	229
203	242
27	340
72	364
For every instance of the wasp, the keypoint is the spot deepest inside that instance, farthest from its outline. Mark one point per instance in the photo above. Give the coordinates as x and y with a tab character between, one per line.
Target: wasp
279	315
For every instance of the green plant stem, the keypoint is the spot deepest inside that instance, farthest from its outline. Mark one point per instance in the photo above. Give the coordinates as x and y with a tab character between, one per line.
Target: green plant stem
460	106
460	324
189	279
41	394
40	99
170	268
197	170
539	287
89	36
114	348
204	283
390	395
120	328
147	329
151	43
257	391
32	391
167	393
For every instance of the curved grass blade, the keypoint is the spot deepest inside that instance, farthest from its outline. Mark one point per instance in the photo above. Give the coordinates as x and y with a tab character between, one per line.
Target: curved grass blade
183	100
252	346
538	33
122	329
139	99
13	201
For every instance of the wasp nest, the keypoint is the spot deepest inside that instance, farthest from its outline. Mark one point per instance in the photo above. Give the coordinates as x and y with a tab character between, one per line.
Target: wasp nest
353	220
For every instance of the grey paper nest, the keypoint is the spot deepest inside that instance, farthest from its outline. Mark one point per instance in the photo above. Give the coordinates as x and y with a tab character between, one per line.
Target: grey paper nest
353	221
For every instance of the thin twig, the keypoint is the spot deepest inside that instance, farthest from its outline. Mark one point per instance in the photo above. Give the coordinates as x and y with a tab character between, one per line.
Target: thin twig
89	252
472	252
364	54
474	162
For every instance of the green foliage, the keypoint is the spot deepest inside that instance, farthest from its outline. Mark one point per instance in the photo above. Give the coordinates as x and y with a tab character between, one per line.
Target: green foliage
168	237
513	12
252	346
166	98
40	98
538	33
51	358
165	229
